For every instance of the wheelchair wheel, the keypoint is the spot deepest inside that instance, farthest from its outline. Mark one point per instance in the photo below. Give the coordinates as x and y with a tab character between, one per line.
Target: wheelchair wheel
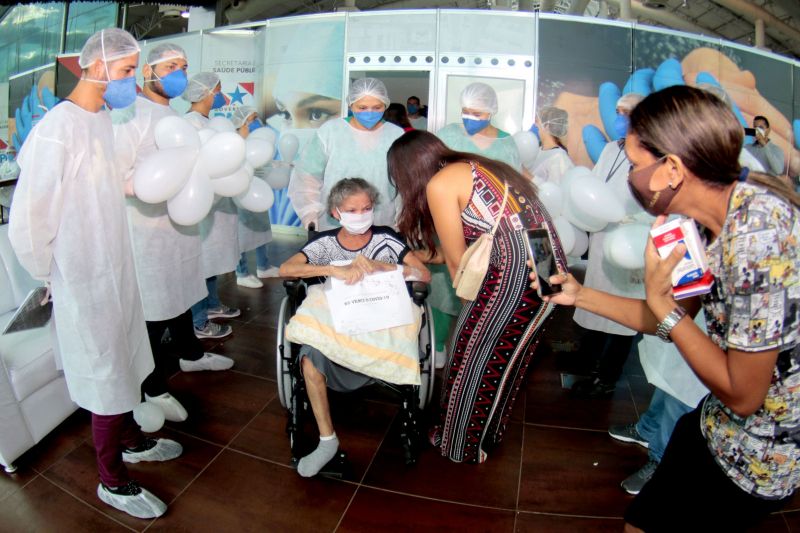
284	356
427	347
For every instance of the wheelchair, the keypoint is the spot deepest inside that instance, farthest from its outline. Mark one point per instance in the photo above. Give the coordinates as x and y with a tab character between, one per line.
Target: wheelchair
292	391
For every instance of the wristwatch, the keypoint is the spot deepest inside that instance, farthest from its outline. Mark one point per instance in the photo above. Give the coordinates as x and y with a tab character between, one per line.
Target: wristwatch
670	321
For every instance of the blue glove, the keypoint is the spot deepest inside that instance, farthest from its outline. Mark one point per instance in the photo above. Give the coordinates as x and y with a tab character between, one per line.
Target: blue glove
796	128
643	81
30	113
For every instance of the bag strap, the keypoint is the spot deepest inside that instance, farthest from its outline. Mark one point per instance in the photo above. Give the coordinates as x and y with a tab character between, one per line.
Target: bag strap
502	209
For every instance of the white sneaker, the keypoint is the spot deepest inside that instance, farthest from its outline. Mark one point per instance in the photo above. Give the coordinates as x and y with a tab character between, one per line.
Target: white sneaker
440	358
132	499
154	450
209	361
271	272
173	410
249	281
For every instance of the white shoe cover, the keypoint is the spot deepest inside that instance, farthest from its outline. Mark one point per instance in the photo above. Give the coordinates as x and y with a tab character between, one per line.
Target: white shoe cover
142	504
162	450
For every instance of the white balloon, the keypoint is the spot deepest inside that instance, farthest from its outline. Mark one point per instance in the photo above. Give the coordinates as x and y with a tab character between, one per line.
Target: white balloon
278	176
287	146
581	219
570	175
150	417
258	198
205	134
267	134
220	124
566	234
551	196
194	201
171	132
223	154
594	198
162	174
528	147
249	168
581	243
258	151
624	246
233	184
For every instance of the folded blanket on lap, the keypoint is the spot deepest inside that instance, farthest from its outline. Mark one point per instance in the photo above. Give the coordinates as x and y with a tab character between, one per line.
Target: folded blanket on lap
390	355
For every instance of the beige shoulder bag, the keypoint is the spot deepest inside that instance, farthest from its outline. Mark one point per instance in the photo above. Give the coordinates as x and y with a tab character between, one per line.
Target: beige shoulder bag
475	262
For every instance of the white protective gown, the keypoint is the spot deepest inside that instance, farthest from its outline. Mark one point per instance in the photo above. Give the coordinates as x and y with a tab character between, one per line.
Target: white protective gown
551	165
600	274
168	256
69	227
254	228
220	227
340	151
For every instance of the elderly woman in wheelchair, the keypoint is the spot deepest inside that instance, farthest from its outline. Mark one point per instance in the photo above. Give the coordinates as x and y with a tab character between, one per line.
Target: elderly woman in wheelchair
369	249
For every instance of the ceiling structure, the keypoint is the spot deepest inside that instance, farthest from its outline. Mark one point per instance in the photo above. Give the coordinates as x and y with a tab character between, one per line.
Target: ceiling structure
771	24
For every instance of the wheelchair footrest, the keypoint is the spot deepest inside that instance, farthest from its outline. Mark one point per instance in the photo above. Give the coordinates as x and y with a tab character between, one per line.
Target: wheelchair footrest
338	468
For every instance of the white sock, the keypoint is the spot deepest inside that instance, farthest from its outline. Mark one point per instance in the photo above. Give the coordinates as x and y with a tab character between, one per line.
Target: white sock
312	463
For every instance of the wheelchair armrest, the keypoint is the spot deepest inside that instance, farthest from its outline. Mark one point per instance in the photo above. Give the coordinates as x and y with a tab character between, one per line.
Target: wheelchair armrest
293	286
419	291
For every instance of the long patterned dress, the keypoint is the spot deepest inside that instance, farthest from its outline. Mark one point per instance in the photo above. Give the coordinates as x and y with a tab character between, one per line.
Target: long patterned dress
496	334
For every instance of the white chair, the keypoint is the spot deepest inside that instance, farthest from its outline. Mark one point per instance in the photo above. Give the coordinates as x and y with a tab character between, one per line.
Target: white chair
33	392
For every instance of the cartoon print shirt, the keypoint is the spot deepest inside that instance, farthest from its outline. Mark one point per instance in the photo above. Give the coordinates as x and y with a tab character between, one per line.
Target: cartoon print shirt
755	306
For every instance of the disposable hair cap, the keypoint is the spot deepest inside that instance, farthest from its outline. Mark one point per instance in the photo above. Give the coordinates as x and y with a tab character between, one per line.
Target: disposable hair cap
628	101
368	87
200	86
107	45
240	115
480	97
165	52
554	120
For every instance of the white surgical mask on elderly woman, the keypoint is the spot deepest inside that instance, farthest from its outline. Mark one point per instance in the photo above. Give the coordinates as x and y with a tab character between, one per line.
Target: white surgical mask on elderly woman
356	223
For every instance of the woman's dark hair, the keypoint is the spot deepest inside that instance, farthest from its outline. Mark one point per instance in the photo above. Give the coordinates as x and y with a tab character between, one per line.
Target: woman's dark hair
413	159
397	115
702	130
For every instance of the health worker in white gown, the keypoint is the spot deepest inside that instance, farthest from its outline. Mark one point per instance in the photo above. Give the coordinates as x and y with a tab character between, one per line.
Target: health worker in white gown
476	134
220	248
69	229
553	160
608	342
168	256
345	148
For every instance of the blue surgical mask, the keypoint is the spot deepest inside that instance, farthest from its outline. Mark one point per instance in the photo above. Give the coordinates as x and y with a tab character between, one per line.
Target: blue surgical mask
473	125
621	123
121	93
535	131
368	119
173	83
412	109
218	102
253	126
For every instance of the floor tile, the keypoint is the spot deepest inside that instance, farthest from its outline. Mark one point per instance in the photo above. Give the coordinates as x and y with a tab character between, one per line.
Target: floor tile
42	506
77	473
778	523
360	425
492	484
376	510
70	434
536	523
220	404
576	472
241	493
547	403
252	347
11	483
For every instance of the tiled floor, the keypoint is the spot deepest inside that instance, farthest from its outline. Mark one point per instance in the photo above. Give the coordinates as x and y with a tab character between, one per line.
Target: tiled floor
557	469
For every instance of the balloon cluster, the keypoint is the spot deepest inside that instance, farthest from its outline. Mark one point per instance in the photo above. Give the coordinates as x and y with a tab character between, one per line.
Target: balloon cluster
190	167
583	203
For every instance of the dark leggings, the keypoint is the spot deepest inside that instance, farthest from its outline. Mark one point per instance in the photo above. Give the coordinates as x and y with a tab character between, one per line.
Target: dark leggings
610	351
690	492
170	340
111	435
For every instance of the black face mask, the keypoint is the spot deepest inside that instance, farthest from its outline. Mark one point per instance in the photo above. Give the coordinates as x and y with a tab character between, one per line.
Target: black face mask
654	202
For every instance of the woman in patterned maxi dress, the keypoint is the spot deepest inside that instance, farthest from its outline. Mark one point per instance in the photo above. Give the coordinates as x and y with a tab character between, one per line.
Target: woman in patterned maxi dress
460	196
